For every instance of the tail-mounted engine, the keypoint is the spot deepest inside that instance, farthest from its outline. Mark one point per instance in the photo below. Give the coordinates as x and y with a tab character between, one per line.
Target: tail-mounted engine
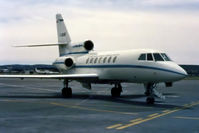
83	47
64	63
69	62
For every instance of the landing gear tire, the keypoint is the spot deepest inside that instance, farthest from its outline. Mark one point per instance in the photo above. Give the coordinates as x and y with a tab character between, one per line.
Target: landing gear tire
150	100
116	92
67	92
147	93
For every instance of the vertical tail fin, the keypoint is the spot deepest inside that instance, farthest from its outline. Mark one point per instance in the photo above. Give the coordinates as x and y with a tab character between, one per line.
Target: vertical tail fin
63	36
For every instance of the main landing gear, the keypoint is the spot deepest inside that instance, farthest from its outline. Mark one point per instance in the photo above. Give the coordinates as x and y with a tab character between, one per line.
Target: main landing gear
66	91
116	91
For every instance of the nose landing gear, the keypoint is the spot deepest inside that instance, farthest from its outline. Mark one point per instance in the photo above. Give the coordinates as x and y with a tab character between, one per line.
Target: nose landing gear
150	100
150	93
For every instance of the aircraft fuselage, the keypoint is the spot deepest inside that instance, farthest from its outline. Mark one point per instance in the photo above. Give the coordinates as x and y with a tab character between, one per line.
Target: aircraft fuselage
122	66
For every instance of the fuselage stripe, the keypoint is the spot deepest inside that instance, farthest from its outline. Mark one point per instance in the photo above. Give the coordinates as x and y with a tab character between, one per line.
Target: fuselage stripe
124	66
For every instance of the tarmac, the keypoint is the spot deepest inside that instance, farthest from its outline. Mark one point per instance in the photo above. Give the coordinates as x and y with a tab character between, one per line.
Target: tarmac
35	105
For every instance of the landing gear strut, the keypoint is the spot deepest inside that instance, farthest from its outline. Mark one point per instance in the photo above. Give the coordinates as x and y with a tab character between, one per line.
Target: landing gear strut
116	91
150	93
66	91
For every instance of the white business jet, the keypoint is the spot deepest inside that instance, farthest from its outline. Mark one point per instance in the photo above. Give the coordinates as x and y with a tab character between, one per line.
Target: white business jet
81	63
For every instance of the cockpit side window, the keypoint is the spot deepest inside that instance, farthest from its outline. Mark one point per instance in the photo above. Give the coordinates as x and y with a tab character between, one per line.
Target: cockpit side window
149	57
158	57
142	57
166	58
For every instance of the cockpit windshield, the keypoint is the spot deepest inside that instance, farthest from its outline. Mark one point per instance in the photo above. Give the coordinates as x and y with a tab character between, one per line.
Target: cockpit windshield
149	57
153	57
158	57
166	58
142	57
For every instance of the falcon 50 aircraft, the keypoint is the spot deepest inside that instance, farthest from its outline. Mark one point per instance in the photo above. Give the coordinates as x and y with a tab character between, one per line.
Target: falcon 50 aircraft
81	63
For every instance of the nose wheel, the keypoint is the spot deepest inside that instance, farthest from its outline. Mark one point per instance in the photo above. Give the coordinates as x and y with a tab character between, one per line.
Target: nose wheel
150	100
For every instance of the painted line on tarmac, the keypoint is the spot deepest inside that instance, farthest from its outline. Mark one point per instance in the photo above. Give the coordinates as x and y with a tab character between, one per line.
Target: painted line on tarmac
154	116
138	119
75	106
114	126
28	87
144	120
127	106
165	110
22	101
41	89
11	85
69	106
188	118
92	109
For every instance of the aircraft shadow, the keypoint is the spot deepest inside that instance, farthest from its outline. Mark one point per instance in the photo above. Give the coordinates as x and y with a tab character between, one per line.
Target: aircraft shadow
124	99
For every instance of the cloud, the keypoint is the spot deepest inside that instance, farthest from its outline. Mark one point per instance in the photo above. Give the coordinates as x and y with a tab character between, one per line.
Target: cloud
108	23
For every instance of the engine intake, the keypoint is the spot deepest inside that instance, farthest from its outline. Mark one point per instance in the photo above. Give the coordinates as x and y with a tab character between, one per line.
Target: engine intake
69	62
88	45
85	46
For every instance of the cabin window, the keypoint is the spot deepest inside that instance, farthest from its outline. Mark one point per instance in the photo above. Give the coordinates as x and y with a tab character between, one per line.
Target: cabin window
91	61
158	57
104	61
99	61
87	61
149	57
166	58
95	61
142	57
109	59
114	59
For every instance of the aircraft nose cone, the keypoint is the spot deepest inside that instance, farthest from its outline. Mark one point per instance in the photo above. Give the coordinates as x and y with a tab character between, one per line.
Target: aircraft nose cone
182	72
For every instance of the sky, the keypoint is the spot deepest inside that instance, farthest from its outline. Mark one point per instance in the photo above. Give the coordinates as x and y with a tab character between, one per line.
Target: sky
167	25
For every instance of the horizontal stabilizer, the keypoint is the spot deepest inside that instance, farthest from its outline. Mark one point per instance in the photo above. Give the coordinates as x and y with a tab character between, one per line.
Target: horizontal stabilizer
41	45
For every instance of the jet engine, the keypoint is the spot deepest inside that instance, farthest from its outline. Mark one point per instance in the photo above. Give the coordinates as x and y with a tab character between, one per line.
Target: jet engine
88	45
85	46
69	62
64	63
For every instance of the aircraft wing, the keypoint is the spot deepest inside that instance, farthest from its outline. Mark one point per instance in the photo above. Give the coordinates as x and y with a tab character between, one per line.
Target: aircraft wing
52	76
